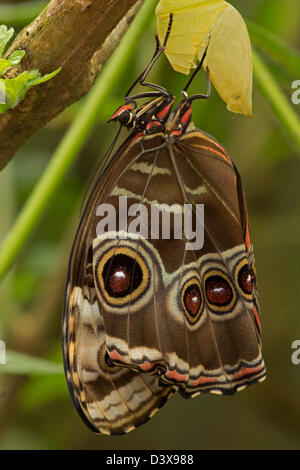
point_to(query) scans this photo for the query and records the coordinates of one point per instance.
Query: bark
(77, 35)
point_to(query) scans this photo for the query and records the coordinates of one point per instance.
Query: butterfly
(146, 316)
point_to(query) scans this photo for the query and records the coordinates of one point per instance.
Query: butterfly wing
(110, 399)
(191, 316)
(227, 334)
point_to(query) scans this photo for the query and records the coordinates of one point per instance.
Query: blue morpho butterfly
(144, 316)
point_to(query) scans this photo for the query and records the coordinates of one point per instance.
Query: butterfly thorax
(155, 116)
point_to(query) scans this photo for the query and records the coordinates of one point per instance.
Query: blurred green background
(36, 411)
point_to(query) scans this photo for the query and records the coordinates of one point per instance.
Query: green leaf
(14, 59)
(15, 89)
(23, 364)
(42, 79)
(5, 36)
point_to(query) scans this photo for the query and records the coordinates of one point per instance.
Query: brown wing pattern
(216, 348)
(109, 399)
(145, 316)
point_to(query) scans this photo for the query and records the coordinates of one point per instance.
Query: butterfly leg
(159, 50)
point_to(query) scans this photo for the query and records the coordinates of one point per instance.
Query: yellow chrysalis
(218, 25)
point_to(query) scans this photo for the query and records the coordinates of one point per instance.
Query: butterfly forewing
(110, 399)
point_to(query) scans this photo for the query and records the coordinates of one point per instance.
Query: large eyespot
(122, 276)
(219, 292)
(245, 278)
(192, 300)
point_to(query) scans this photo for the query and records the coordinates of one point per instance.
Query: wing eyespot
(122, 276)
(192, 300)
(219, 292)
(108, 362)
(245, 279)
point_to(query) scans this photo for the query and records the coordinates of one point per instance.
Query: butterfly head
(124, 115)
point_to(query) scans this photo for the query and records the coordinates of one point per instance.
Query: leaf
(5, 36)
(23, 364)
(14, 59)
(219, 27)
(42, 79)
(14, 90)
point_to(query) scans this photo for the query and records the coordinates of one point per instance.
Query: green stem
(275, 47)
(20, 14)
(22, 364)
(282, 108)
(72, 142)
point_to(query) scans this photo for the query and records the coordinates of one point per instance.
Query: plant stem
(282, 108)
(275, 47)
(72, 142)
(20, 14)
(23, 364)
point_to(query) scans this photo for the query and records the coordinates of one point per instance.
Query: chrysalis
(219, 27)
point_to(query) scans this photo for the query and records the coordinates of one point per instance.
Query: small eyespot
(106, 366)
(219, 292)
(246, 280)
(108, 361)
(192, 300)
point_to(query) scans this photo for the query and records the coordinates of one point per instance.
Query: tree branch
(77, 35)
